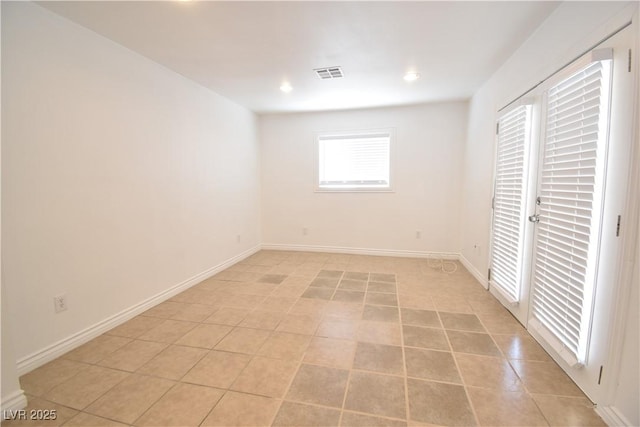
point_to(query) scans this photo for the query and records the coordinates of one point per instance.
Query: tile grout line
(455, 361)
(346, 388)
(404, 362)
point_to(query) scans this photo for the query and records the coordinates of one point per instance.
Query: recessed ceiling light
(286, 87)
(411, 77)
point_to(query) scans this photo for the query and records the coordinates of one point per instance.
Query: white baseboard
(474, 271)
(47, 354)
(361, 251)
(13, 402)
(612, 416)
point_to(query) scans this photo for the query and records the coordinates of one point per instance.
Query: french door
(560, 186)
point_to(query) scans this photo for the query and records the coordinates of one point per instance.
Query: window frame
(347, 133)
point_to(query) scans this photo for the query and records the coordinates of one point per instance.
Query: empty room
(386, 213)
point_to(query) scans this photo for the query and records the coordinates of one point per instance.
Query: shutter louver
(509, 202)
(354, 161)
(570, 190)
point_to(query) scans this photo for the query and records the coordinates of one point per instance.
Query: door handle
(534, 218)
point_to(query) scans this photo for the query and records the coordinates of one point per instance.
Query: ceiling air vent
(329, 73)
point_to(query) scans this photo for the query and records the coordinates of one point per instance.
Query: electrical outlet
(60, 303)
(305, 231)
(238, 238)
(418, 234)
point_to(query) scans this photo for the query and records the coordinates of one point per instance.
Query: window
(354, 161)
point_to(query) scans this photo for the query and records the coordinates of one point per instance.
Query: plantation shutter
(356, 161)
(570, 191)
(509, 201)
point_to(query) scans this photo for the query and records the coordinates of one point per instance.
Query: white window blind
(571, 190)
(354, 161)
(514, 130)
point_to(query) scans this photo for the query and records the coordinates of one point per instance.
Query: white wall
(11, 396)
(120, 178)
(570, 30)
(426, 173)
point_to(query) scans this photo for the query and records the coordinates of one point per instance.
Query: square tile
(266, 377)
(417, 302)
(415, 336)
(204, 336)
(379, 332)
(97, 349)
(131, 398)
(428, 318)
(282, 345)
(169, 331)
(380, 313)
(382, 277)
(217, 369)
(258, 288)
(451, 304)
(381, 299)
(240, 409)
(352, 285)
(324, 282)
(275, 279)
(502, 324)
(568, 411)
(340, 328)
(379, 357)
(431, 365)
(133, 355)
(227, 316)
(348, 296)
(343, 310)
(352, 419)
(355, 275)
(389, 288)
(335, 274)
(497, 407)
(277, 304)
(472, 342)
(173, 362)
(487, 372)
(135, 327)
(262, 320)
(242, 301)
(42, 379)
(545, 378)
(309, 307)
(336, 353)
(298, 324)
(243, 340)
(461, 321)
(521, 347)
(376, 394)
(184, 405)
(88, 385)
(319, 385)
(439, 403)
(85, 420)
(298, 414)
(289, 291)
(318, 293)
(194, 312)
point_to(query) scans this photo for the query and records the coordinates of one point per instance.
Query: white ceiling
(245, 50)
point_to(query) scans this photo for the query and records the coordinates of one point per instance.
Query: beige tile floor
(297, 339)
